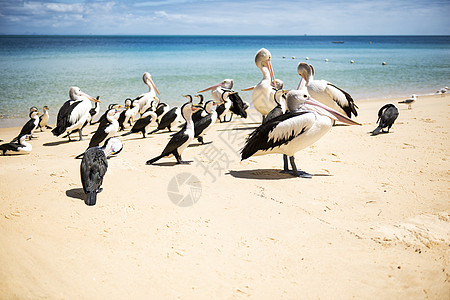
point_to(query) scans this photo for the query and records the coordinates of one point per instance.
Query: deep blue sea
(38, 70)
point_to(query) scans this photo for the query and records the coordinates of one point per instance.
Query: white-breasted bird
(306, 122)
(74, 113)
(180, 140)
(326, 92)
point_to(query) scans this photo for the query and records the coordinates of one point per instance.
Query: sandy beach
(372, 223)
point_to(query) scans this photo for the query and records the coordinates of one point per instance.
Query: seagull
(326, 92)
(306, 122)
(409, 101)
(74, 113)
(442, 91)
(386, 116)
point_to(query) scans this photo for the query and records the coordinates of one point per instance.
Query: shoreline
(18, 122)
(373, 220)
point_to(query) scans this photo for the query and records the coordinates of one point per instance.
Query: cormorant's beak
(248, 89)
(211, 87)
(153, 85)
(331, 113)
(196, 108)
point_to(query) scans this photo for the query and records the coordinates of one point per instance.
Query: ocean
(38, 70)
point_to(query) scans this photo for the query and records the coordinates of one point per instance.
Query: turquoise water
(38, 70)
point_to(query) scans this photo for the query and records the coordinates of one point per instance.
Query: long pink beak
(331, 112)
(248, 89)
(90, 97)
(210, 88)
(153, 85)
(269, 64)
(302, 83)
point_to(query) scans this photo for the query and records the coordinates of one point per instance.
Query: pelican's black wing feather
(258, 139)
(351, 108)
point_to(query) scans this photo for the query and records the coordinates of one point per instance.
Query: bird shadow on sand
(50, 144)
(199, 144)
(76, 193)
(171, 163)
(265, 174)
(238, 128)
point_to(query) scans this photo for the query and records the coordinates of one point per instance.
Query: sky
(226, 17)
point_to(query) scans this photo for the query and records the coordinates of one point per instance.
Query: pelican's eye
(305, 96)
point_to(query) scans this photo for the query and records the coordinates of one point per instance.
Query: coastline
(373, 220)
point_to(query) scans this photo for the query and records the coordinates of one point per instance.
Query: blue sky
(227, 17)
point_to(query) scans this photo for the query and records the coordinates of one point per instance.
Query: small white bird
(442, 91)
(409, 101)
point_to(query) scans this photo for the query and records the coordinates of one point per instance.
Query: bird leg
(179, 160)
(80, 133)
(200, 139)
(285, 164)
(298, 173)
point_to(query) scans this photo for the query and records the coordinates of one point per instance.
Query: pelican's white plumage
(74, 113)
(307, 122)
(146, 98)
(326, 92)
(262, 97)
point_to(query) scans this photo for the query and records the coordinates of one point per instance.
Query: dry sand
(373, 223)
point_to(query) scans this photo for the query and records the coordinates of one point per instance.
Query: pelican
(409, 101)
(262, 97)
(306, 122)
(74, 113)
(326, 92)
(146, 98)
(386, 116)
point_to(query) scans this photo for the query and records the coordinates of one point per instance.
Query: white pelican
(409, 101)
(146, 98)
(326, 92)
(74, 113)
(262, 97)
(305, 123)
